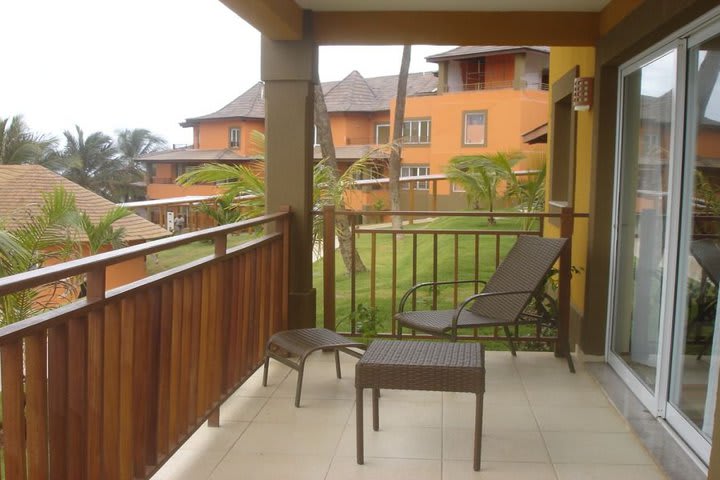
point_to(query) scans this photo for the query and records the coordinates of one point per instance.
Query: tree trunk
(324, 136)
(395, 154)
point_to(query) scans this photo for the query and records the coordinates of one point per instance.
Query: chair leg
(265, 370)
(510, 341)
(399, 331)
(337, 363)
(298, 389)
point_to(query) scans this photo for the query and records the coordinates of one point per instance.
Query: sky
(112, 64)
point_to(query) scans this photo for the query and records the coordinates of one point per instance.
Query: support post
(289, 70)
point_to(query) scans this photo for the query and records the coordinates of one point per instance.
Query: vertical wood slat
(152, 376)
(261, 296)
(141, 365)
(164, 360)
(202, 402)
(13, 402)
(247, 296)
(373, 269)
(195, 348)
(184, 392)
(329, 267)
(126, 411)
(94, 437)
(76, 354)
(111, 392)
(94, 394)
(61, 408)
(175, 363)
(276, 268)
(36, 406)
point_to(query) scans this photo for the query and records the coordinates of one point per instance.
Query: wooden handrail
(110, 386)
(34, 278)
(455, 213)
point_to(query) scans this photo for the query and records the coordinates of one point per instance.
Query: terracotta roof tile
(193, 155)
(477, 51)
(22, 187)
(354, 93)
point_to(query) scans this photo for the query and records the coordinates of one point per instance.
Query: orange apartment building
(480, 100)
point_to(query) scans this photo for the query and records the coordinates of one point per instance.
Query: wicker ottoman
(301, 343)
(412, 365)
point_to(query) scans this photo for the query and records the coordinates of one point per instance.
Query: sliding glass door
(663, 339)
(696, 341)
(642, 216)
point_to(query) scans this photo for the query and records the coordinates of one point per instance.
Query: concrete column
(289, 70)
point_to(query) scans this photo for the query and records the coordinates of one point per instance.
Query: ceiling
(455, 5)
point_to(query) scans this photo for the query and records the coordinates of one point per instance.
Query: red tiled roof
(21, 194)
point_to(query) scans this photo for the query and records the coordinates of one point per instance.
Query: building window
(382, 133)
(457, 188)
(234, 137)
(182, 168)
(416, 131)
(475, 129)
(316, 142)
(415, 171)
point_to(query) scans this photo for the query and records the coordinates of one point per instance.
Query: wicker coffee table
(412, 365)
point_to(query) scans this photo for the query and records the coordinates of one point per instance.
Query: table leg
(376, 410)
(359, 424)
(478, 430)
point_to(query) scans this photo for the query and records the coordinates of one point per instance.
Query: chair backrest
(523, 269)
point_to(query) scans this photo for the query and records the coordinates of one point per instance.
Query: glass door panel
(696, 346)
(645, 153)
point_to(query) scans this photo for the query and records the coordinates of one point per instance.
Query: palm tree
(132, 144)
(529, 194)
(19, 145)
(248, 183)
(90, 162)
(51, 235)
(481, 175)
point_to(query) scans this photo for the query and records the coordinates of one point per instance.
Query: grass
(174, 257)
(445, 267)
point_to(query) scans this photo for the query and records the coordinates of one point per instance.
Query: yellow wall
(510, 113)
(562, 59)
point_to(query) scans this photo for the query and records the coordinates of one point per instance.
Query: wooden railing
(108, 387)
(500, 240)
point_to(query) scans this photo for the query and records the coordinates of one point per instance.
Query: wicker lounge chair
(503, 301)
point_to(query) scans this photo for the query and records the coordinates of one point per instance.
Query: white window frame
(415, 171)
(423, 129)
(377, 132)
(234, 137)
(466, 115)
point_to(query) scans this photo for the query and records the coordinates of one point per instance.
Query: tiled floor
(540, 422)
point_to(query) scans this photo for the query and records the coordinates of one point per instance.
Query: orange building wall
(510, 113)
(215, 134)
(157, 191)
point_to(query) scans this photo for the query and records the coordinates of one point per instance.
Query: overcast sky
(112, 64)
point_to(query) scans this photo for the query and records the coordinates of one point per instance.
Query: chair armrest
(472, 298)
(401, 307)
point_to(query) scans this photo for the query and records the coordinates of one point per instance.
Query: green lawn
(167, 259)
(445, 266)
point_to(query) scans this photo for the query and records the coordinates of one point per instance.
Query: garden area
(462, 256)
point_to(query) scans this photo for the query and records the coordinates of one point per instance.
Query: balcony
(540, 422)
(119, 384)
